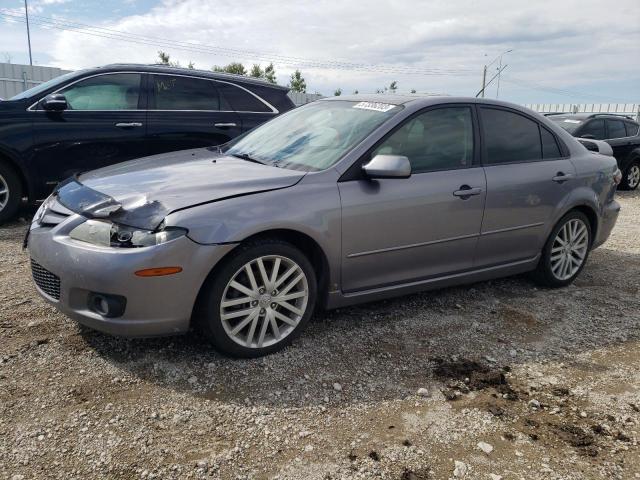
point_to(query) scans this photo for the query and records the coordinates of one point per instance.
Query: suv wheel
(566, 251)
(631, 178)
(259, 300)
(10, 192)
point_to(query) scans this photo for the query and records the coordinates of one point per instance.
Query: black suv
(92, 118)
(621, 132)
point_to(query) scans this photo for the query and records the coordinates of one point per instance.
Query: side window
(616, 129)
(119, 91)
(632, 129)
(236, 99)
(439, 139)
(172, 92)
(510, 137)
(595, 128)
(550, 147)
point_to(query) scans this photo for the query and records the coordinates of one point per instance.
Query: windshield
(569, 124)
(313, 137)
(44, 86)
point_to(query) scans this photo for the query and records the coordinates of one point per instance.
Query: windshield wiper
(246, 157)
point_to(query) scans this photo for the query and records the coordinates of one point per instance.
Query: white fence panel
(15, 78)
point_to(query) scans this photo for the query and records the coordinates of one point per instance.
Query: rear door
(188, 112)
(620, 141)
(252, 109)
(105, 123)
(527, 180)
(401, 230)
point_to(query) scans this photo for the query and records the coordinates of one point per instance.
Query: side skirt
(339, 299)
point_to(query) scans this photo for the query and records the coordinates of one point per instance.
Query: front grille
(45, 280)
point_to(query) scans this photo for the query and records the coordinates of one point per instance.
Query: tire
(11, 196)
(631, 177)
(218, 323)
(547, 272)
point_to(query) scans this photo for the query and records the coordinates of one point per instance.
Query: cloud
(573, 45)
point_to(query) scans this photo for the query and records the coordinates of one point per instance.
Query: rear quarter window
(632, 129)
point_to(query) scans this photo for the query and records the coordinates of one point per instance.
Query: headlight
(107, 234)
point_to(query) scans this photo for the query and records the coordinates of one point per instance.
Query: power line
(85, 29)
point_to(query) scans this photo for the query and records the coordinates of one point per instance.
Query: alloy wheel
(264, 301)
(569, 249)
(4, 193)
(633, 177)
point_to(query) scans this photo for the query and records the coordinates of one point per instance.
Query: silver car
(345, 200)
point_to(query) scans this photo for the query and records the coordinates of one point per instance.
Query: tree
(163, 57)
(256, 71)
(297, 83)
(393, 86)
(337, 92)
(235, 68)
(355, 92)
(413, 90)
(270, 73)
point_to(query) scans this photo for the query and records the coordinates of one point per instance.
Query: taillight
(617, 176)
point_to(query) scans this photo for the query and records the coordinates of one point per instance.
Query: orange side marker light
(158, 272)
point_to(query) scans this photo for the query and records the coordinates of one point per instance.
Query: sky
(570, 51)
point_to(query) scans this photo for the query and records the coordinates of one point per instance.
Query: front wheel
(566, 251)
(259, 300)
(631, 178)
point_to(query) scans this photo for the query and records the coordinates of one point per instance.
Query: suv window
(616, 129)
(550, 147)
(632, 129)
(120, 91)
(439, 139)
(173, 92)
(510, 137)
(239, 100)
(595, 128)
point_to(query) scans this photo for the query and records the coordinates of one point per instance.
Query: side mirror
(56, 102)
(388, 166)
(588, 136)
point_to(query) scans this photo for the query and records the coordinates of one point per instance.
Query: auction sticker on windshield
(377, 106)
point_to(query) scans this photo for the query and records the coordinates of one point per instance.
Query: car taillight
(617, 176)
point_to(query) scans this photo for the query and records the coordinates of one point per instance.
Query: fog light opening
(105, 305)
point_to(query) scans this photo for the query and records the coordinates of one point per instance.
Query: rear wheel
(566, 251)
(10, 192)
(631, 177)
(259, 300)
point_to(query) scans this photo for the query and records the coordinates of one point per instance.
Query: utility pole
(484, 80)
(26, 13)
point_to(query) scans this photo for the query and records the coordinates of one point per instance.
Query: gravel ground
(495, 380)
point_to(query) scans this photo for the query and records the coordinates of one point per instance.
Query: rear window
(616, 129)
(174, 92)
(238, 99)
(632, 129)
(510, 137)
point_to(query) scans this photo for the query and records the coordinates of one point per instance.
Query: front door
(104, 123)
(527, 181)
(188, 112)
(401, 230)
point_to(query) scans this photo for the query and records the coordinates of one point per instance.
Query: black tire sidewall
(208, 314)
(544, 267)
(15, 192)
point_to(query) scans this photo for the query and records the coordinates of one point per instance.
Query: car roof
(160, 68)
(585, 116)
(421, 100)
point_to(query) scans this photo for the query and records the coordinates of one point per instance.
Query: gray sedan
(342, 201)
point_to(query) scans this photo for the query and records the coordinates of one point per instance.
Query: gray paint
(381, 237)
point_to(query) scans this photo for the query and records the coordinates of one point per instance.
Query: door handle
(562, 177)
(466, 191)
(128, 124)
(224, 125)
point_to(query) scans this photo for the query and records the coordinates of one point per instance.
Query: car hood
(140, 193)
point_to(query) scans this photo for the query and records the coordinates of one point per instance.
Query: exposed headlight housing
(107, 234)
